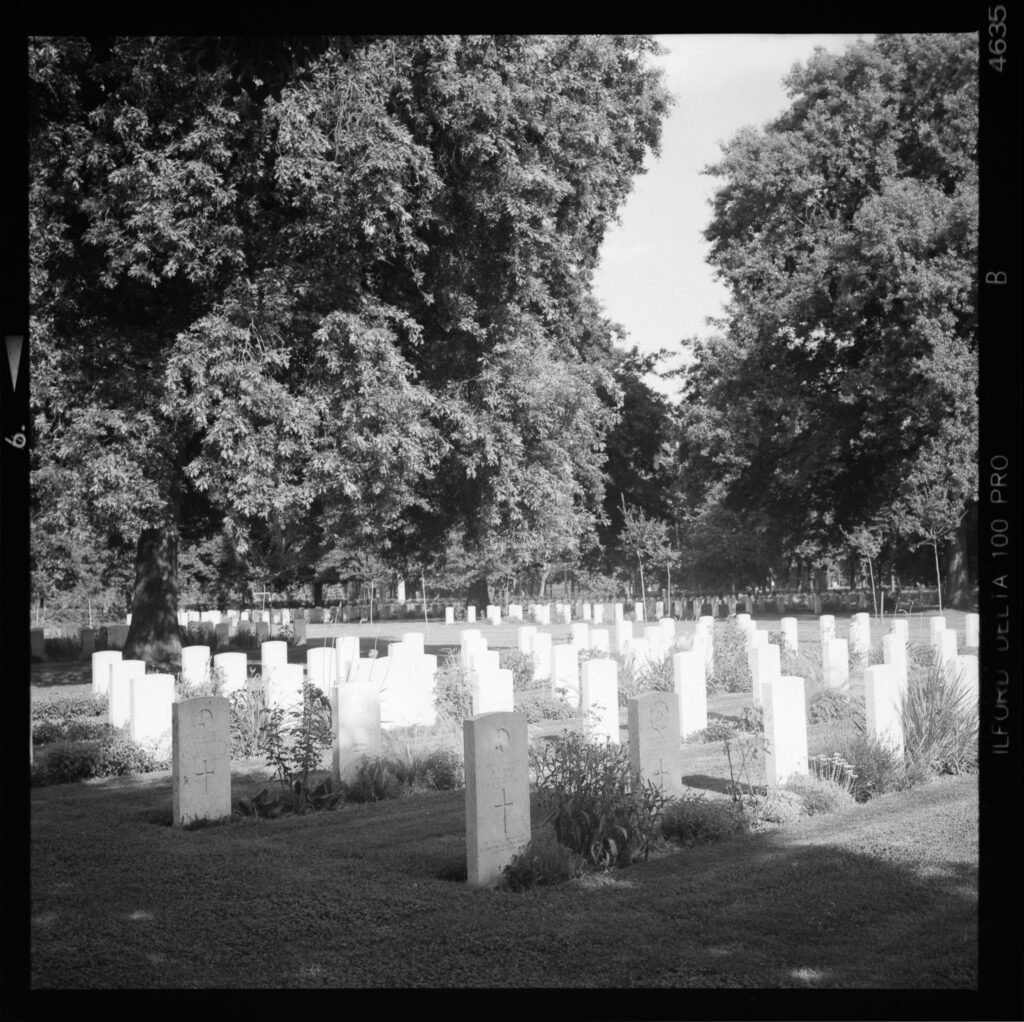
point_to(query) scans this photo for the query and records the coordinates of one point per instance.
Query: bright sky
(653, 279)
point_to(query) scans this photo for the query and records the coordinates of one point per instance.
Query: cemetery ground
(880, 895)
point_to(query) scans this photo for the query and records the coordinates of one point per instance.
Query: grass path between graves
(883, 895)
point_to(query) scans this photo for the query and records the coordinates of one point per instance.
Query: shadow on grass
(707, 783)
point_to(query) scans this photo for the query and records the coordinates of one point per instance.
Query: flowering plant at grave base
(586, 793)
(296, 741)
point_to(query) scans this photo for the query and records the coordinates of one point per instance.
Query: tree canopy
(325, 294)
(846, 230)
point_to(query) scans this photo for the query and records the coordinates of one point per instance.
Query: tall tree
(330, 293)
(846, 230)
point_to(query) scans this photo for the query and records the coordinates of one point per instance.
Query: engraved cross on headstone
(205, 774)
(503, 806)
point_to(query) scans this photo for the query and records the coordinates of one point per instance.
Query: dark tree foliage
(846, 230)
(325, 296)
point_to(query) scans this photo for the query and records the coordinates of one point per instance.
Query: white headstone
(483, 677)
(565, 672)
(566, 614)
(835, 663)
(101, 670)
(597, 615)
(525, 635)
(497, 793)
(346, 653)
(282, 686)
(541, 650)
(945, 648)
(789, 632)
(936, 626)
(659, 609)
(654, 751)
(415, 640)
(618, 611)
(894, 654)
(407, 686)
(882, 694)
(656, 651)
(580, 635)
(515, 612)
(471, 615)
(599, 698)
(785, 729)
(273, 657)
(234, 671)
(201, 759)
(449, 615)
(355, 716)
(901, 627)
(638, 611)
(826, 628)
(195, 665)
(321, 668)
(622, 636)
(119, 696)
(599, 641)
(150, 697)
(494, 614)
(691, 691)
(586, 612)
(860, 636)
(972, 631)
(765, 665)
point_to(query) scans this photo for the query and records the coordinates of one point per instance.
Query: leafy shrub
(878, 767)
(586, 792)
(732, 672)
(920, 655)
(695, 820)
(62, 648)
(751, 719)
(297, 738)
(940, 722)
(522, 666)
(443, 770)
(79, 760)
(539, 704)
(820, 794)
(64, 709)
(542, 862)
(828, 705)
(453, 698)
(76, 730)
(776, 805)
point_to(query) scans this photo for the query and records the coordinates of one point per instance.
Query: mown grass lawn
(884, 895)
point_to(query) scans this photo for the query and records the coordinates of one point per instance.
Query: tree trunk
(318, 594)
(154, 635)
(543, 583)
(958, 575)
(938, 573)
(478, 595)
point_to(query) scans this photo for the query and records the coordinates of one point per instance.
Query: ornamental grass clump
(587, 793)
(939, 715)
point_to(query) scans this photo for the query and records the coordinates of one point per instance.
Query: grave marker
(201, 759)
(195, 663)
(234, 668)
(785, 729)
(835, 663)
(355, 717)
(565, 672)
(150, 697)
(789, 633)
(765, 665)
(654, 751)
(497, 793)
(691, 691)
(882, 694)
(119, 696)
(599, 698)
(972, 631)
(101, 662)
